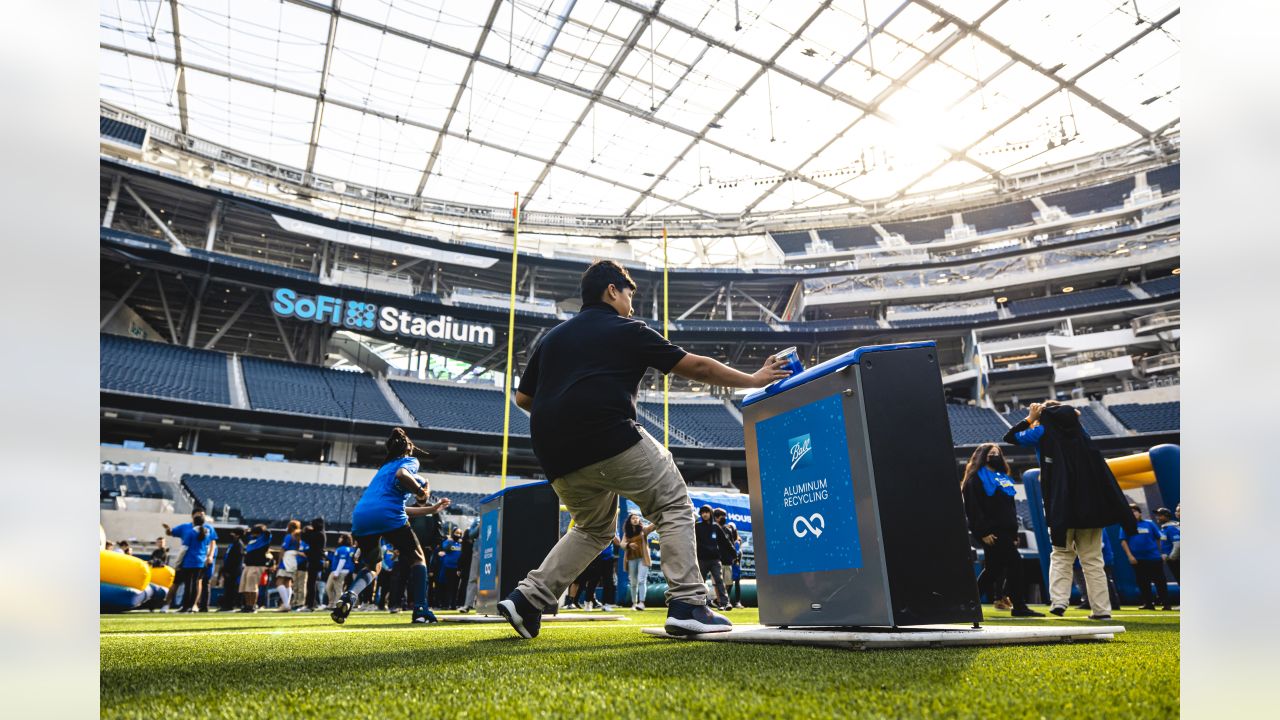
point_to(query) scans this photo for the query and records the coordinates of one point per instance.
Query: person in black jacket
(1081, 497)
(993, 521)
(313, 536)
(728, 555)
(232, 569)
(709, 537)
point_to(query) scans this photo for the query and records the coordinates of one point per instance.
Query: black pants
(1002, 568)
(314, 581)
(713, 566)
(1151, 572)
(600, 574)
(447, 598)
(231, 597)
(189, 580)
(1175, 570)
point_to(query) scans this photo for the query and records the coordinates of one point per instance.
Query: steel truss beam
(457, 98)
(401, 119)
(552, 83)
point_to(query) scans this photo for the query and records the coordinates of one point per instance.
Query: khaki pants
(646, 474)
(1086, 544)
(299, 588)
(333, 586)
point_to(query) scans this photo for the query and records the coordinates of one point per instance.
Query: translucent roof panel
(704, 107)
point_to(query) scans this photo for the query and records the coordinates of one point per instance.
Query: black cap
(704, 508)
(1164, 511)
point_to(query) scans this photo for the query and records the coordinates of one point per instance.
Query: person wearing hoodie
(989, 504)
(1081, 497)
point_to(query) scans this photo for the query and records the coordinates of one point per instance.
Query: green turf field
(378, 666)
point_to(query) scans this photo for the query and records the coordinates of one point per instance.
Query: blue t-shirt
(1031, 438)
(1172, 533)
(197, 553)
(293, 542)
(381, 507)
(388, 557)
(342, 559)
(452, 552)
(1145, 543)
(1108, 555)
(607, 552)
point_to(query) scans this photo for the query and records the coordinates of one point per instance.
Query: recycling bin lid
(504, 490)
(834, 364)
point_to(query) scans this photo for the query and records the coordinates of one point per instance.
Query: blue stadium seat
(1167, 178)
(1160, 287)
(309, 390)
(1089, 420)
(725, 325)
(945, 320)
(1149, 417)
(851, 237)
(1070, 301)
(458, 407)
(852, 323)
(275, 502)
(791, 243)
(710, 425)
(1000, 217)
(1092, 199)
(972, 425)
(162, 370)
(922, 231)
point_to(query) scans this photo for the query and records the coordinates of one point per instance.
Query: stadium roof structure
(732, 113)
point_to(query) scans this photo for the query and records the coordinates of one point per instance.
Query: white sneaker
(606, 607)
(639, 606)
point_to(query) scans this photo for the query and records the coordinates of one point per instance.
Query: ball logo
(815, 523)
(801, 450)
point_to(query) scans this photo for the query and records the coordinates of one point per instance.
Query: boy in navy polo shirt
(1143, 550)
(1169, 549)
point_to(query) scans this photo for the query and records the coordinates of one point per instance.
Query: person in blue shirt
(1143, 550)
(1171, 547)
(391, 592)
(341, 563)
(450, 553)
(381, 513)
(291, 565)
(1081, 496)
(201, 544)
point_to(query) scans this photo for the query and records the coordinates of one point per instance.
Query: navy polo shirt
(583, 378)
(1145, 543)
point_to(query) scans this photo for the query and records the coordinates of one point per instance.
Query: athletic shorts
(402, 539)
(288, 564)
(249, 578)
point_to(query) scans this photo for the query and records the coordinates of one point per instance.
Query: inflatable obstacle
(162, 576)
(125, 582)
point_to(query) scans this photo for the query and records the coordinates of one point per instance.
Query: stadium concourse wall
(171, 466)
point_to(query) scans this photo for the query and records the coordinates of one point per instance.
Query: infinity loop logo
(808, 524)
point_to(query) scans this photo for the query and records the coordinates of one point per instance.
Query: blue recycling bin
(518, 527)
(855, 495)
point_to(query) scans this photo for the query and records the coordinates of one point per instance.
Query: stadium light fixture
(1177, 271)
(1002, 299)
(224, 428)
(1068, 289)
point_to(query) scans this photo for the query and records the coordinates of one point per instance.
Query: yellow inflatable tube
(120, 569)
(1130, 464)
(162, 576)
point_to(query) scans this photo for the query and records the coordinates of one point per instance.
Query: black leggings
(189, 580)
(1002, 568)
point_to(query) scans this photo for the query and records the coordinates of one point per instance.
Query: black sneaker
(1100, 617)
(1025, 612)
(688, 619)
(424, 616)
(523, 616)
(342, 608)
(1147, 607)
(1058, 610)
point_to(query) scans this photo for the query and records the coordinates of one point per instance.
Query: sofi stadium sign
(359, 315)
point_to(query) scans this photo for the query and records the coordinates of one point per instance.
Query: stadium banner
(361, 316)
(806, 490)
(365, 241)
(488, 576)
